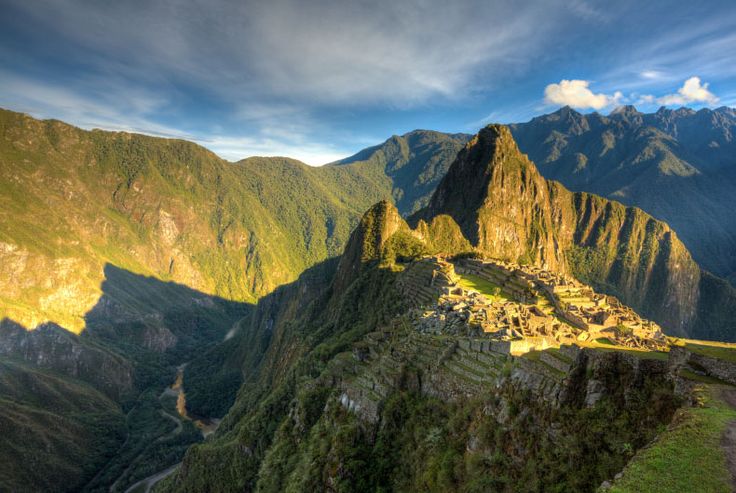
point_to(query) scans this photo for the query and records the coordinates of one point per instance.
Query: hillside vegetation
(677, 165)
(341, 394)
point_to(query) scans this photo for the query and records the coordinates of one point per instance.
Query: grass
(688, 456)
(660, 355)
(696, 377)
(486, 288)
(722, 351)
(606, 345)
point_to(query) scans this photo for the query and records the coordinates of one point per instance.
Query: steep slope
(73, 201)
(677, 165)
(506, 209)
(348, 397)
(129, 255)
(58, 424)
(415, 162)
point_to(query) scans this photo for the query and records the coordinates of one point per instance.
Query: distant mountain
(678, 165)
(415, 162)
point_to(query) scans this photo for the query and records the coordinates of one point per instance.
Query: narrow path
(173, 389)
(145, 485)
(728, 441)
(172, 433)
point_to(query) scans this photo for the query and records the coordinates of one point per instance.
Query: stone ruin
(541, 308)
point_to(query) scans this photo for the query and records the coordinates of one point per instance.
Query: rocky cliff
(677, 165)
(506, 209)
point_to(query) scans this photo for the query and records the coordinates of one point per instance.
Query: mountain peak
(625, 110)
(498, 199)
(465, 186)
(366, 242)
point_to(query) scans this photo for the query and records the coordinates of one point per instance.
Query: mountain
(124, 256)
(415, 162)
(130, 261)
(677, 165)
(369, 373)
(73, 201)
(506, 209)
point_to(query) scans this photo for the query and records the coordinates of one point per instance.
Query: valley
(424, 363)
(367, 247)
(489, 290)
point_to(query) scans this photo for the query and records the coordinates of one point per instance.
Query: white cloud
(692, 91)
(577, 94)
(645, 99)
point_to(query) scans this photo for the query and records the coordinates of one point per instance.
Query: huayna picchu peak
(367, 247)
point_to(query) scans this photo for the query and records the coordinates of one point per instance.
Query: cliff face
(677, 165)
(506, 209)
(368, 240)
(73, 201)
(500, 201)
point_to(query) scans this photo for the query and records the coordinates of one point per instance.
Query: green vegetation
(212, 380)
(664, 163)
(723, 351)
(60, 422)
(155, 440)
(688, 456)
(422, 444)
(483, 286)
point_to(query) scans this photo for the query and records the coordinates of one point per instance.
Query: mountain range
(677, 165)
(123, 257)
(341, 394)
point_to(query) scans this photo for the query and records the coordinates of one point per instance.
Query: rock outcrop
(505, 209)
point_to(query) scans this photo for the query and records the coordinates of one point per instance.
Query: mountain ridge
(677, 165)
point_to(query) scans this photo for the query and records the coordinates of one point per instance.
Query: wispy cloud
(314, 80)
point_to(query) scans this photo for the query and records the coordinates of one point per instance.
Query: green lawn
(486, 288)
(687, 457)
(724, 353)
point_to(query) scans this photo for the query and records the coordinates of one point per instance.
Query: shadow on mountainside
(139, 329)
(135, 336)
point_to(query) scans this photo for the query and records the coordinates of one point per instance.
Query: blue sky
(322, 79)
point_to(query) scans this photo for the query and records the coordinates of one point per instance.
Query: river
(205, 425)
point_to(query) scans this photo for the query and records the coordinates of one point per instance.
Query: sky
(319, 80)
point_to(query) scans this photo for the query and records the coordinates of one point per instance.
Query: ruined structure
(531, 308)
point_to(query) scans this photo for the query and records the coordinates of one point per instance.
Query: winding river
(206, 426)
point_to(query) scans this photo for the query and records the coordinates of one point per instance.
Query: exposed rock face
(506, 209)
(52, 347)
(367, 241)
(499, 200)
(677, 165)
(74, 201)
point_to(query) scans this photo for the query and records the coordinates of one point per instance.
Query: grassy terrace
(486, 288)
(720, 350)
(604, 344)
(688, 456)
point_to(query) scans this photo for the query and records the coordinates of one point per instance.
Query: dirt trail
(728, 441)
